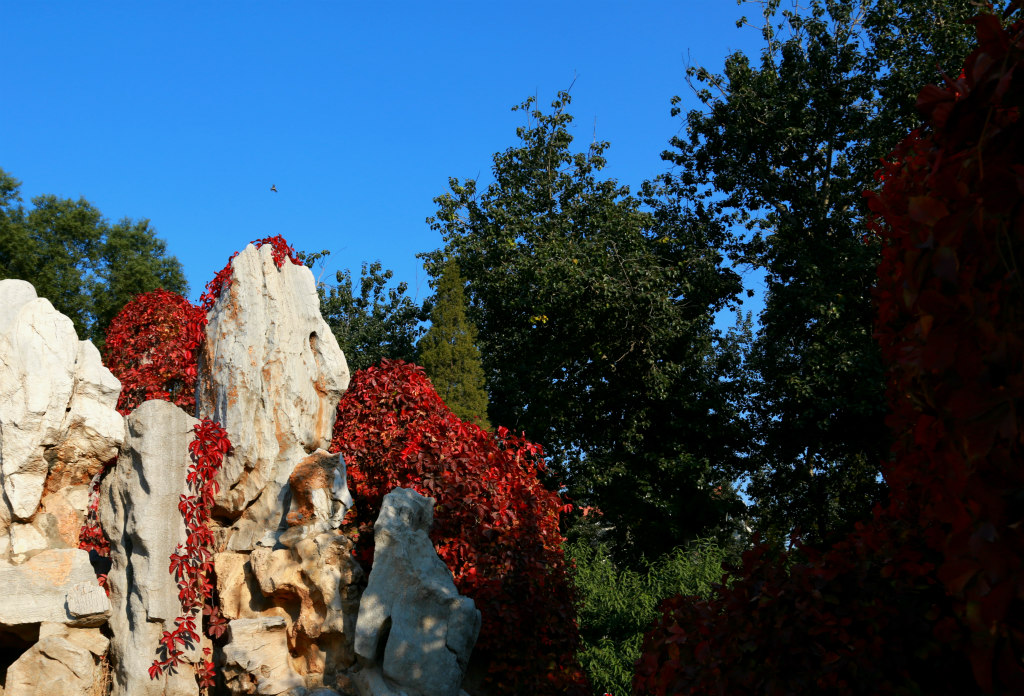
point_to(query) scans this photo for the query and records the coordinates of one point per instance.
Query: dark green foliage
(617, 605)
(595, 322)
(448, 352)
(86, 267)
(788, 147)
(379, 322)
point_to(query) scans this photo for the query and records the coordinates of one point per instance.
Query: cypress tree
(449, 354)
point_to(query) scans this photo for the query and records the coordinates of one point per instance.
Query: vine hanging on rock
(192, 562)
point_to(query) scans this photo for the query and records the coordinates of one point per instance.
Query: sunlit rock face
(139, 512)
(57, 404)
(272, 374)
(58, 427)
(415, 632)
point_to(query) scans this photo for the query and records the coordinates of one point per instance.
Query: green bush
(617, 605)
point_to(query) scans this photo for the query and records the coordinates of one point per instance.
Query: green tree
(786, 149)
(616, 606)
(86, 267)
(595, 323)
(379, 322)
(448, 351)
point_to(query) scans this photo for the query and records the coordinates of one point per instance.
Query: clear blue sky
(186, 113)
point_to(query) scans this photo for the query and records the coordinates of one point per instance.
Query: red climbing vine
(192, 562)
(928, 595)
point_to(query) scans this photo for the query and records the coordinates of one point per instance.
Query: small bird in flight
(273, 188)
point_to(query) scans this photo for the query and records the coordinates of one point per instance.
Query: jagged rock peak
(271, 373)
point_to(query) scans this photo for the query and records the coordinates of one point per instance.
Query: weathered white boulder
(139, 512)
(53, 586)
(414, 629)
(271, 373)
(65, 661)
(56, 400)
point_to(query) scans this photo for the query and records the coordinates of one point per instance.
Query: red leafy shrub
(495, 525)
(951, 328)
(928, 596)
(856, 619)
(151, 347)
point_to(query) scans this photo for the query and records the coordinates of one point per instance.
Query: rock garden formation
(269, 563)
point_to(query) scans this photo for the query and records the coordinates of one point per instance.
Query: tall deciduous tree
(787, 148)
(448, 351)
(595, 323)
(86, 267)
(379, 322)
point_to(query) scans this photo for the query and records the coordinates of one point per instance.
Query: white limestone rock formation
(56, 408)
(271, 373)
(308, 592)
(54, 586)
(139, 512)
(415, 632)
(65, 661)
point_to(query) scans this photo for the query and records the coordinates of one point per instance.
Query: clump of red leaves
(495, 526)
(282, 251)
(951, 328)
(928, 596)
(192, 562)
(151, 347)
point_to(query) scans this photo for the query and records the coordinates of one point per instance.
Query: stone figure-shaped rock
(139, 512)
(57, 412)
(415, 632)
(271, 373)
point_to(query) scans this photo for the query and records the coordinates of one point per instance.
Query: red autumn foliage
(281, 251)
(927, 596)
(495, 525)
(951, 328)
(192, 562)
(151, 347)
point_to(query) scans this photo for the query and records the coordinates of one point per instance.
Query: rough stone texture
(139, 511)
(319, 487)
(312, 588)
(239, 590)
(271, 373)
(38, 590)
(56, 401)
(65, 661)
(66, 507)
(257, 658)
(413, 629)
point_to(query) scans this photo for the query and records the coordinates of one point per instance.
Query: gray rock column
(139, 512)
